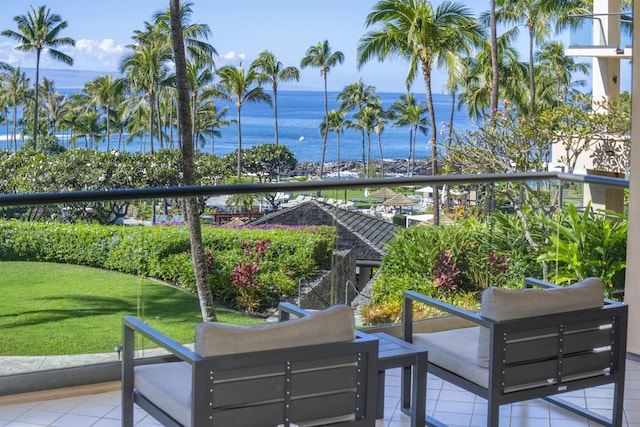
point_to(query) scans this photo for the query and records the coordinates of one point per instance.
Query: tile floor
(445, 402)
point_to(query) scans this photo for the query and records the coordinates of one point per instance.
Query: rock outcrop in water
(391, 168)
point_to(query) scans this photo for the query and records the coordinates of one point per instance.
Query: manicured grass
(51, 309)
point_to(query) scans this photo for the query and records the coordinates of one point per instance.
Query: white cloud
(232, 56)
(104, 55)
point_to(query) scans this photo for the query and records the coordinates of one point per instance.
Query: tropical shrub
(586, 244)
(452, 263)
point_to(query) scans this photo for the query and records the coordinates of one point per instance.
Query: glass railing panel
(140, 264)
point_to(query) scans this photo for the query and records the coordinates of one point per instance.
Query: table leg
(414, 390)
(380, 397)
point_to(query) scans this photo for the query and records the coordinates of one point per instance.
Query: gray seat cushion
(456, 351)
(168, 386)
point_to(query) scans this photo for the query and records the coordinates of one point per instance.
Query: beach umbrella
(384, 192)
(427, 189)
(400, 200)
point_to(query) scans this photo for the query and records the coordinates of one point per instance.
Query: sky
(241, 29)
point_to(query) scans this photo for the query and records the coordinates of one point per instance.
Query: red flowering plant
(244, 275)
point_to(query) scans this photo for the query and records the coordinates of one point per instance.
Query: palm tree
(560, 68)
(210, 120)
(379, 123)
(357, 95)
(365, 120)
(239, 86)
(146, 66)
(38, 31)
(198, 256)
(199, 75)
(414, 30)
(195, 34)
(537, 17)
(15, 89)
(107, 91)
(335, 123)
(321, 56)
(271, 70)
(55, 104)
(478, 79)
(407, 112)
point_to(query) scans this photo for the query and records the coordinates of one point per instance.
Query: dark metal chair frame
(504, 358)
(203, 410)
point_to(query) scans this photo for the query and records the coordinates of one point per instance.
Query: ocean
(300, 114)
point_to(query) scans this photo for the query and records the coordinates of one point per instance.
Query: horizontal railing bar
(31, 199)
(595, 179)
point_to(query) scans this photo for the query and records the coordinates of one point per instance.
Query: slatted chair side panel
(539, 357)
(289, 391)
(323, 392)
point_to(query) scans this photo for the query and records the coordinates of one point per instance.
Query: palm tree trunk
(338, 152)
(108, 107)
(434, 140)
(532, 80)
(194, 109)
(275, 115)
(381, 158)
(453, 108)
(198, 255)
(409, 168)
(239, 145)
(36, 103)
(326, 125)
(159, 121)
(152, 103)
(495, 77)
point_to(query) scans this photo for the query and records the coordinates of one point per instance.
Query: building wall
(632, 285)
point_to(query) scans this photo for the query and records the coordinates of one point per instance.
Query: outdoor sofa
(530, 343)
(309, 371)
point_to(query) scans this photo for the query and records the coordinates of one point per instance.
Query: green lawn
(50, 309)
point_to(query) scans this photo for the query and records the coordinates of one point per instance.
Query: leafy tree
(581, 126)
(271, 70)
(415, 31)
(265, 160)
(39, 30)
(323, 57)
(240, 86)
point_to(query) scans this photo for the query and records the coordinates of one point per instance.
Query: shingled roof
(366, 234)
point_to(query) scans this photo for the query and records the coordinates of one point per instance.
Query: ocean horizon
(300, 113)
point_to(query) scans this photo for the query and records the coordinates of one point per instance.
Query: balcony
(82, 390)
(590, 39)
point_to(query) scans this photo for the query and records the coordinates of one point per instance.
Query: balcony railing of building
(590, 30)
(22, 373)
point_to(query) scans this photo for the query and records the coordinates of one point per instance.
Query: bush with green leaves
(454, 263)
(587, 244)
(162, 252)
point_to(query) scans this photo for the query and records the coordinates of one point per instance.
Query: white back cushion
(334, 324)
